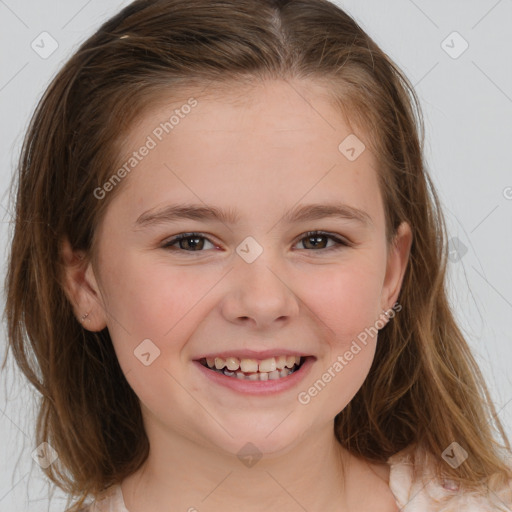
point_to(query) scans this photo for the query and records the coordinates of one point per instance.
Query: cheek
(154, 300)
(345, 299)
(349, 374)
(348, 301)
(146, 297)
(338, 378)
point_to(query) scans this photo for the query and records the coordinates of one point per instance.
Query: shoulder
(413, 482)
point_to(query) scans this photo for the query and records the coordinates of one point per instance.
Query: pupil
(196, 241)
(316, 240)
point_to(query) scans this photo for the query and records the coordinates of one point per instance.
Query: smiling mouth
(273, 368)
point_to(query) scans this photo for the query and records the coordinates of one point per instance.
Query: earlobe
(398, 258)
(81, 288)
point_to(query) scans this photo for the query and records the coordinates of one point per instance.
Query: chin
(268, 438)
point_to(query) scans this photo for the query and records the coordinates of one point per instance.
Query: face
(251, 290)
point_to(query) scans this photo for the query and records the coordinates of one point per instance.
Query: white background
(467, 102)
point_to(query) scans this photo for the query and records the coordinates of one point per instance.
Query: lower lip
(265, 387)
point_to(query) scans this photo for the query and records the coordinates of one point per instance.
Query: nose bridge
(259, 289)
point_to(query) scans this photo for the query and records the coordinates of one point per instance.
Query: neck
(180, 474)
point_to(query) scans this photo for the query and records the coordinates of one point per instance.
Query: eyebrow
(300, 213)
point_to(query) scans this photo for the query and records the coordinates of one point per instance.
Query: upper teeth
(253, 365)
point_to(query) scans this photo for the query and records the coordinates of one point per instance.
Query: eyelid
(340, 241)
(167, 244)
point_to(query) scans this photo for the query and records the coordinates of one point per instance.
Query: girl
(227, 274)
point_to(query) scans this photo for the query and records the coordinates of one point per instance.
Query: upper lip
(253, 354)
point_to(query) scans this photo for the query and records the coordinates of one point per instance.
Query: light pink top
(423, 494)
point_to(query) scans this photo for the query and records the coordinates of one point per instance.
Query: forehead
(263, 145)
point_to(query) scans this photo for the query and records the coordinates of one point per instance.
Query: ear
(398, 257)
(81, 288)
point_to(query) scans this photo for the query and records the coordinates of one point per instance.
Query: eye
(315, 241)
(195, 242)
(190, 242)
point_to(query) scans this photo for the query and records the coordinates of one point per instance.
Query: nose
(259, 294)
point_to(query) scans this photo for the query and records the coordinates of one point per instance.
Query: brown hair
(424, 385)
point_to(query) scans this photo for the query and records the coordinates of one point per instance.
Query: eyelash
(340, 243)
